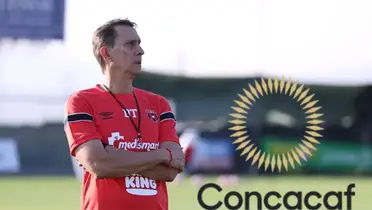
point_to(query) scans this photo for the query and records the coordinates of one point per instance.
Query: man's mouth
(138, 62)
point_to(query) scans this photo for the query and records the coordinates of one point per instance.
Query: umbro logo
(106, 115)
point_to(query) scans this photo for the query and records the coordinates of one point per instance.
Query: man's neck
(119, 84)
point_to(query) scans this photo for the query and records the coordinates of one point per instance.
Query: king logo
(139, 185)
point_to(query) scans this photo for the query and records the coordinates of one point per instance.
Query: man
(124, 137)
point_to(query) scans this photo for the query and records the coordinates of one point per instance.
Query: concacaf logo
(313, 123)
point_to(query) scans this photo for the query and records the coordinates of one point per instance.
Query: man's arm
(168, 139)
(110, 162)
(162, 171)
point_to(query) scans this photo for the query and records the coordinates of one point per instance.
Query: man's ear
(104, 52)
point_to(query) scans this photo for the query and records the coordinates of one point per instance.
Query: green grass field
(61, 193)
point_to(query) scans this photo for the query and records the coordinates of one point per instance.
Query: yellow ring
(313, 120)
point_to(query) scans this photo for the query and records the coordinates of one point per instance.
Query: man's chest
(133, 129)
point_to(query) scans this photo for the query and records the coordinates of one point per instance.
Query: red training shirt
(95, 114)
(188, 154)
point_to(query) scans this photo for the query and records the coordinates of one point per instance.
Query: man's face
(126, 54)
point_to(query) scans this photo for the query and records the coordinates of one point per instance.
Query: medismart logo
(286, 88)
(273, 200)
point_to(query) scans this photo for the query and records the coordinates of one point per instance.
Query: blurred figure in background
(188, 141)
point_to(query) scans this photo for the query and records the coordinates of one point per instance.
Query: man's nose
(140, 51)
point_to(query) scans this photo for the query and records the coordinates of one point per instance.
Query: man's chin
(135, 71)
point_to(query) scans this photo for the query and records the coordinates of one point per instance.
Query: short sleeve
(78, 124)
(167, 120)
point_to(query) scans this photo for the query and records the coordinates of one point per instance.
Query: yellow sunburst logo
(313, 123)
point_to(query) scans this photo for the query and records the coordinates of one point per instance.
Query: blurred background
(198, 54)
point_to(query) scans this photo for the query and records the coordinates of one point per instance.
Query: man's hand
(168, 170)
(178, 157)
(178, 164)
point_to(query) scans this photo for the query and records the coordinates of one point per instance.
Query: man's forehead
(126, 33)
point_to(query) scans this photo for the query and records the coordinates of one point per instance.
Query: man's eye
(131, 44)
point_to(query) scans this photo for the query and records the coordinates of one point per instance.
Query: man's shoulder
(84, 94)
(149, 94)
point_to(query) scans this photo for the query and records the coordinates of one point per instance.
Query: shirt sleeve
(78, 124)
(167, 122)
